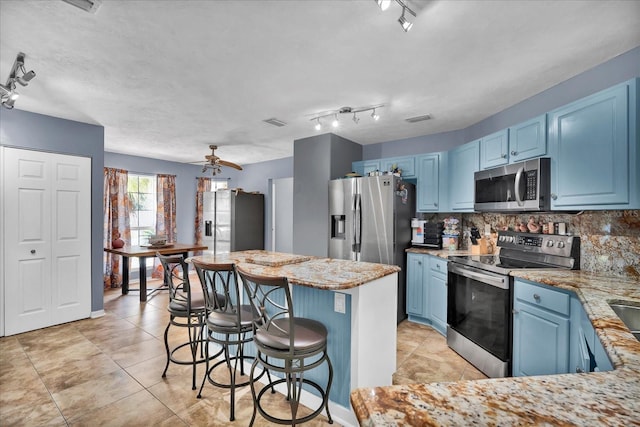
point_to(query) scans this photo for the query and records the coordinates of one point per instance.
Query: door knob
(33, 251)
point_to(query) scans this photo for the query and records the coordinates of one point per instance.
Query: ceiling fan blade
(229, 164)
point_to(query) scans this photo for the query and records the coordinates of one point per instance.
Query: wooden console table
(144, 252)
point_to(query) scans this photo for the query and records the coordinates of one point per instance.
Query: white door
(47, 239)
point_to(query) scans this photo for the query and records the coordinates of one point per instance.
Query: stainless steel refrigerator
(370, 220)
(233, 221)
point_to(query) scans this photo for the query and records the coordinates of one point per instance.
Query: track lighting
(383, 4)
(406, 25)
(18, 74)
(345, 110)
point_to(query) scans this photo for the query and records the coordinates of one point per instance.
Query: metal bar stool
(186, 309)
(228, 324)
(286, 344)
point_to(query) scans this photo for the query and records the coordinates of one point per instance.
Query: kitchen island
(356, 301)
(588, 399)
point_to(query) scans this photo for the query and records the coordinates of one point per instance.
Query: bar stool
(228, 324)
(286, 344)
(186, 309)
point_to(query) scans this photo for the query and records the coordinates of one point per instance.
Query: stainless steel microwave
(523, 186)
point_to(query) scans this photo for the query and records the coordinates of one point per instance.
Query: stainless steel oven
(480, 295)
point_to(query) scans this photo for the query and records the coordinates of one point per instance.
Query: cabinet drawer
(438, 265)
(542, 297)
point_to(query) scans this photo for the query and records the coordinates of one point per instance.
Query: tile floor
(107, 371)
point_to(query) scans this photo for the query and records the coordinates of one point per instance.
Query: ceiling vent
(275, 122)
(90, 6)
(418, 118)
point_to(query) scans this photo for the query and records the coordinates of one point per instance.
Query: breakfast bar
(356, 301)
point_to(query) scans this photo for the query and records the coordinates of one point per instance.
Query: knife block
(483, 247)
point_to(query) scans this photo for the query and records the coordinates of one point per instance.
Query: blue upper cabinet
(593, 145)
(365, 166)
(464, 161)
(428, 183)
(405, 164)
(494, 150)
(518, 143)
(528, 140)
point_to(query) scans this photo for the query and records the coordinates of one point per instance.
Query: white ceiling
(168, 78)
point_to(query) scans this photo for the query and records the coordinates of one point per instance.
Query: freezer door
(223, 222)
(377, 240)
(342, 218)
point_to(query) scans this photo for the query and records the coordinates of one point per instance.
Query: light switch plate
(340, 303)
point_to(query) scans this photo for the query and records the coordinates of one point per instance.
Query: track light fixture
(18, 74)
(406, 25)
(345, 110)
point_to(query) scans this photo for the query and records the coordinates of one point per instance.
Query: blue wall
(617, 70)
(38, 132)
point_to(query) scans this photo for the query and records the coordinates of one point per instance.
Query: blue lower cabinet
(427, 291)
(540, 330)
(587, 352)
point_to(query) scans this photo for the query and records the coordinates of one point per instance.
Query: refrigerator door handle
(357, 221)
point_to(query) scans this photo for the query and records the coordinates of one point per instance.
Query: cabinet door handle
(504, 156)
(33, 251)
(579, 370)
(514, 311)
(435, 204)
(419, 262)
(554, 196)
(514, 153)
(536, 297)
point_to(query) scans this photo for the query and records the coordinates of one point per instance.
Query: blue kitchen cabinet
(587, 352)
(363, 167)
(438, 293)
(593, 145)
(428, 183)
(417, 265)
(464, 161)
(406, 164)
(427, 290)
(521, 142)
(528, 140)
(494, 150)
(540, 329)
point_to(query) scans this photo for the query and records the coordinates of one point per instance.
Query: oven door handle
(494, 280)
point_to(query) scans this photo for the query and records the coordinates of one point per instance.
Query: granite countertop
(320, 273)
(599, 398)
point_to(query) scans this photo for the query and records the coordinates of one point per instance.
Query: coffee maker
(426, 234)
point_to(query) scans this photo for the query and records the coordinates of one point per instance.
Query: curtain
(116, 222)
(165, 214)
(203, 185)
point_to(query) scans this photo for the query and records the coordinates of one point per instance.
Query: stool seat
(309, 335)
(218, 319)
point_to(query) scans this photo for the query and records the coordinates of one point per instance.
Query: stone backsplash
(609, 240)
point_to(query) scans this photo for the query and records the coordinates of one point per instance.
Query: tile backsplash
(609, 240)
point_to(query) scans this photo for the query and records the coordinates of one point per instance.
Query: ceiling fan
(215, 163)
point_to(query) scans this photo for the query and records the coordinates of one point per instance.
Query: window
(219, 184)
(142, 215)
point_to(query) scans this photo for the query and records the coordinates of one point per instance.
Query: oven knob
(549, 243)
(560, 245)
(510, 239)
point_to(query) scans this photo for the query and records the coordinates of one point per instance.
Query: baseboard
(96, 314)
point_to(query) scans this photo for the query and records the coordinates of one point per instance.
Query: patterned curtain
(203, 185)
(116, 222)
(165, 214)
